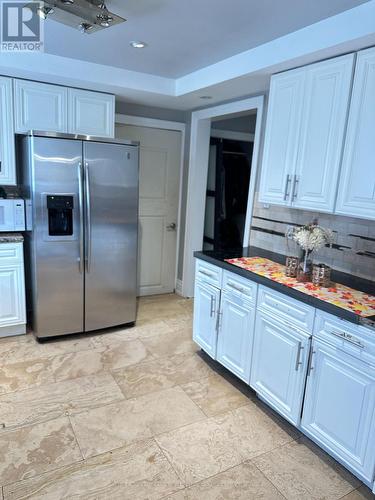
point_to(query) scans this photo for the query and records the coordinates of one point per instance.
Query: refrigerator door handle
(81, 219)
(88, 217)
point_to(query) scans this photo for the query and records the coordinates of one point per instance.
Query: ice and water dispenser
(60, 215)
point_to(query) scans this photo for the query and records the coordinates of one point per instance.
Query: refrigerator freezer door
(111, 187)
(56, 241)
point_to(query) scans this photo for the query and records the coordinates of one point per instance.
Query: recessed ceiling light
(205, 97)
(137, 44)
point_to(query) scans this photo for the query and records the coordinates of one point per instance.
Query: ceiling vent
(87, 16)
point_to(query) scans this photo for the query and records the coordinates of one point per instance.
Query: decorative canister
(291, 267)
(321, 275)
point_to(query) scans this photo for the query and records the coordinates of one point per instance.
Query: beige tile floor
(141, 413)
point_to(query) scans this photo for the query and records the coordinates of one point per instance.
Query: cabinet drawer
(290, 310)
(355, 340)
(11, 254)
(239, 286)
(208, 273)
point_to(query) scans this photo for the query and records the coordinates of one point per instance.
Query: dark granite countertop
(11, 238)
(218, 258)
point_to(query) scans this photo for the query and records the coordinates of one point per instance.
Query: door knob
(171, 227)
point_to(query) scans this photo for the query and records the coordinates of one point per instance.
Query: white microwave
(12, 215)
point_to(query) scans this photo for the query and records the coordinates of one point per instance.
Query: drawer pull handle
(298, 360)
(236, 287)
(349, 338)
(206, 273)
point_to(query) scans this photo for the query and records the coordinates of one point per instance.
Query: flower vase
(305, 269)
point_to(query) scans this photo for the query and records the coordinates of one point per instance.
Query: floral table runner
(342, 296)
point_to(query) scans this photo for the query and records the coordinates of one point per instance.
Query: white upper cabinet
(304, 135)
(356, 195)
(327, 93)
(282, 135)
(7, 155)
(40, 106)
(91, 113)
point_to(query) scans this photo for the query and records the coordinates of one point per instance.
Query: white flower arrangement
(312, 237)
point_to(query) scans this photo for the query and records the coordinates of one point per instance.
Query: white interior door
(159, 180)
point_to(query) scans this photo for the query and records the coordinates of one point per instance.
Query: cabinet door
(339, 409)
(356, 196)
(40, 106)
(12, 292)
(206, 306)
(279, 365)
(7, 157)
(91, 113)
(235, 336)
(282, 137)
(326, 103)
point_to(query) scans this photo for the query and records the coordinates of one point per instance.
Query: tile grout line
(75, 437)
(196, 404)
(268, 479)
(172, 466)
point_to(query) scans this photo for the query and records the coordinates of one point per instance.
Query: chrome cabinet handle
(81, 218)
(206, 273)
(349, 338)
(287, 183)
(310, 368)
(298, 360)
(219, 318)
(295, 187)
(213, 306)
(236, 287)
(88, 217)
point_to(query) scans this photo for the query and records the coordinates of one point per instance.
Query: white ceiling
(222, 46)
(186, 35)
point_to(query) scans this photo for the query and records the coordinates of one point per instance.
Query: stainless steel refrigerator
(82, 229)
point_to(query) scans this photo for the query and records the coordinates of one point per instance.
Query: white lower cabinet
(339, 409)
(280, 357)
(12, 290)
(206, 306)
(235, 337)
(264, 338)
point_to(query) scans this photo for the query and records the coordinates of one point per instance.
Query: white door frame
(140, 121)
(197, 183)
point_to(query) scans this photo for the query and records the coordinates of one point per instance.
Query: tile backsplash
(353, 250)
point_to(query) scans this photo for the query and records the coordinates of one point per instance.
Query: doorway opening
(228, 181)
(204, 126)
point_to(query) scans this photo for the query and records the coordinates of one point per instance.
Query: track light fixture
(86, 15)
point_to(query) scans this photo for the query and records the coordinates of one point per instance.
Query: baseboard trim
(12, 330)
(179, 287)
